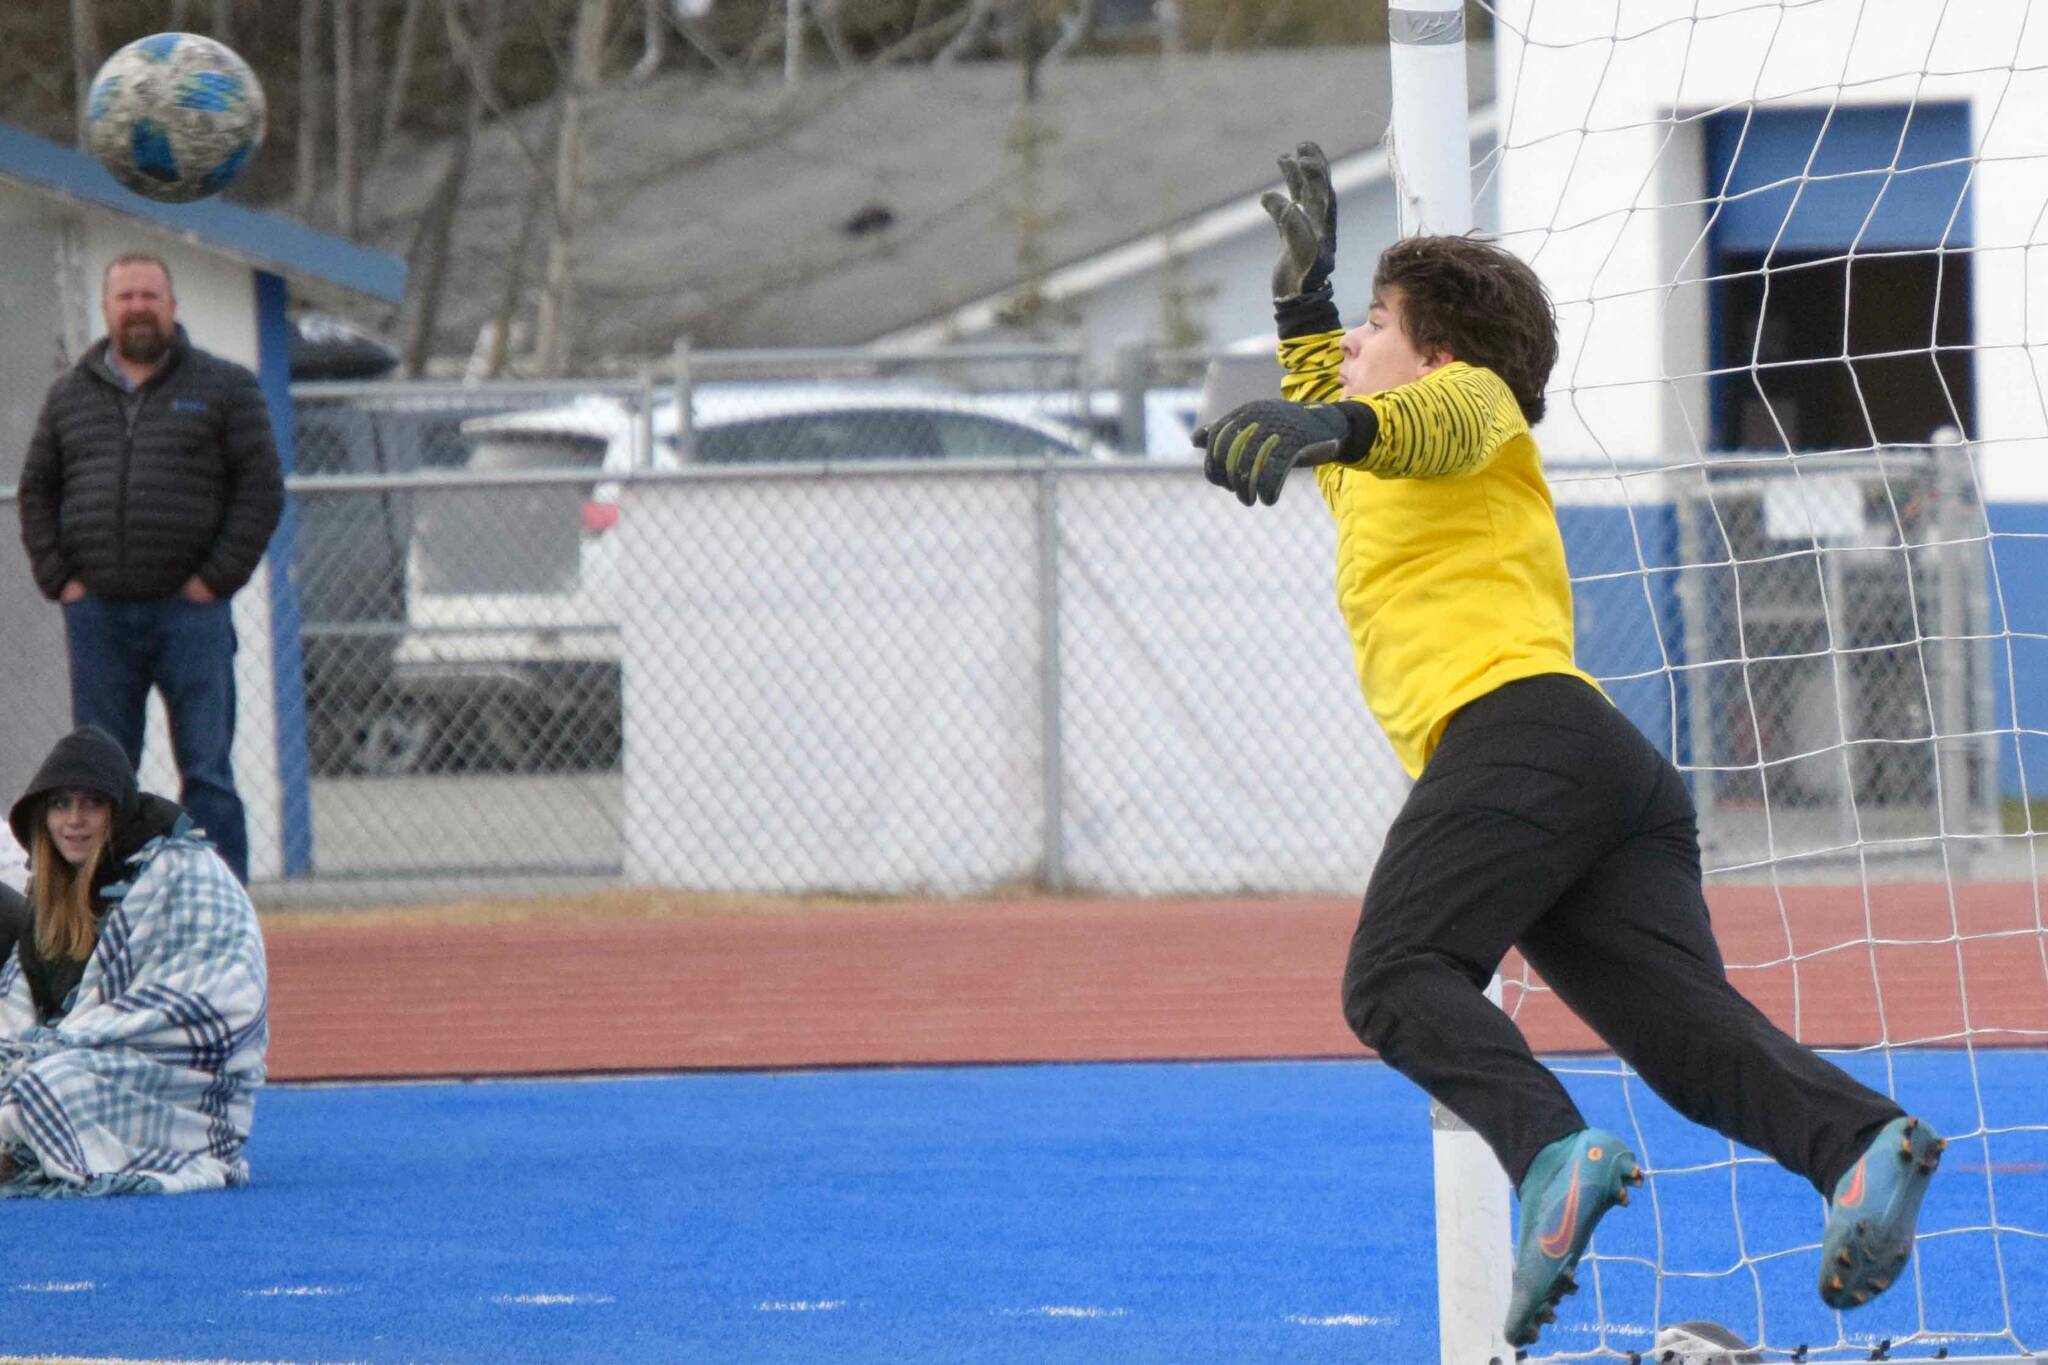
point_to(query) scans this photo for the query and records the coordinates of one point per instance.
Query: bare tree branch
(479, 56)
(85, 58)
(1078, 27)
(515, 270)
(826, 14)
(701, 43)
(972, 29)
(792, 41)
(348, 189)
(369, 70)
(653, 38)
(558, 289)
(401, 71)
(306, 188)
(925, 34)
(498, 354)
(482, 78)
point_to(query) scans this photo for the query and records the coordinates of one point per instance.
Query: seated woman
(133, 997)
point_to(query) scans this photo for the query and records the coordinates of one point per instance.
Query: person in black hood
(81, 819)
(134, 1003)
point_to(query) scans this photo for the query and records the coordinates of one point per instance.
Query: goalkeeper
(1540, 817)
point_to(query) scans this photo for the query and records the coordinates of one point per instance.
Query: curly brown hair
(1477, 303)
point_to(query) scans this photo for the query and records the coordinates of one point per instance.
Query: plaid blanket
(147, 1084)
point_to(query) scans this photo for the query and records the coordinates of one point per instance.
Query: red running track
(421, 993)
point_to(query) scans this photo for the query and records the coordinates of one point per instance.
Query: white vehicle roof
(607, 419)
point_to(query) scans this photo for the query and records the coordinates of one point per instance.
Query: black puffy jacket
(133, 510)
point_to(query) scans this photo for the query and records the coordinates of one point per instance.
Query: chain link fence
(462, 582)
(1838, 644)
(846, 623)
(459, 621)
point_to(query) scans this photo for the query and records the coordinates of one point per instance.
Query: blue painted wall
(1772, 167)
(1630, 632)
(2019, 616)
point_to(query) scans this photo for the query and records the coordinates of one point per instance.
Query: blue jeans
(186, 650)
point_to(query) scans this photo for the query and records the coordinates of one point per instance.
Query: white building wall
(1603, 190)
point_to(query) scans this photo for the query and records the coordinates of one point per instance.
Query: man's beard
(142, 341)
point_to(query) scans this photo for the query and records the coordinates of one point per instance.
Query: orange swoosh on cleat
(1558, 1240)
(1854, 1195)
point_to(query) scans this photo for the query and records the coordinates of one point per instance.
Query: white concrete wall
(1600, 188)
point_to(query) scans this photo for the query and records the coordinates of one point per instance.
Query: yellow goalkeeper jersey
(1450, 569)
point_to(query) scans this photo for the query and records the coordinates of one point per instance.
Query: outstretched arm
(1304, 309)
(1252, 460)
(1451, 421)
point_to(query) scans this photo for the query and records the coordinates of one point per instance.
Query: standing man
(147, 497)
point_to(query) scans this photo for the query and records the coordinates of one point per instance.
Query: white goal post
(1797, 251)
(1429, 154)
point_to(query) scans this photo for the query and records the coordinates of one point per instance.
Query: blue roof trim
(266, 239)
(1860, 200)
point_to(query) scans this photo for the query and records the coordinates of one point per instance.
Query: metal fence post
(686, 432)
(1083, 385)
(643, 421)
(1954, 749)
(1133, 376)
(1053, 794)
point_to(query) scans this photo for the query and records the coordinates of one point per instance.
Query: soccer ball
(174, 116)
(1704, 1343)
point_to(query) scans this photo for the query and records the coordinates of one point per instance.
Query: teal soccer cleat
(1569, 1186)
(1874, 1212)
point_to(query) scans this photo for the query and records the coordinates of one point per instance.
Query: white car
(512, 593)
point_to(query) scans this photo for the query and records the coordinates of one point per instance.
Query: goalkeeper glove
(1307, 218)
(1250, 448)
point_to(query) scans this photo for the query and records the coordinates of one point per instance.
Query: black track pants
(1545, 821)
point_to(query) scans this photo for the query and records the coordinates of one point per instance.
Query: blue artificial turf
(1228, 1212)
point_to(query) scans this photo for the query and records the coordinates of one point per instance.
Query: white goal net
(1799, 439)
